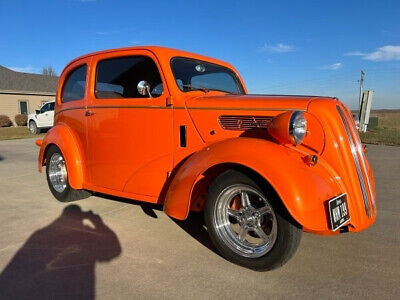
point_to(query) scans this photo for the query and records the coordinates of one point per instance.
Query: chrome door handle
(89, 113)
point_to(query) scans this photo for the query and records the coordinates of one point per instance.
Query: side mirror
(143, 88)
(37, 111)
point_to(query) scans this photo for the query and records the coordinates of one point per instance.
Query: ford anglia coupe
(179, 129)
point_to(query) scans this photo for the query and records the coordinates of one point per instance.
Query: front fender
(64, 139)
(302, 188)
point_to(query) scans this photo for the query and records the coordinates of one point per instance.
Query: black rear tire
(68, 194)
(288, 231)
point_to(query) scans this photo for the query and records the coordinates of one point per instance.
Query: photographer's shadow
(58, 261)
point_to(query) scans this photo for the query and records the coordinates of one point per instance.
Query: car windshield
(192, 75)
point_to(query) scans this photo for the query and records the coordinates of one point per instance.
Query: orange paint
(133, 147)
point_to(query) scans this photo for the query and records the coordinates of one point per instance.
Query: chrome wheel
(57, 172)
(245, 221)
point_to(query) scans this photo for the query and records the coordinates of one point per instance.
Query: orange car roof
(157, 50)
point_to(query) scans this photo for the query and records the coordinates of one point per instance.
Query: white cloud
(335, 66)
(354, 53)
(278, 48)
(27, 69)
(385, 53)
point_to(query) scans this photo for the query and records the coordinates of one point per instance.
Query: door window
(119, 77)
(74, 85)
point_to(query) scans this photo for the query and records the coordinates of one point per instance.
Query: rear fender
(64, 139)
(302, 188)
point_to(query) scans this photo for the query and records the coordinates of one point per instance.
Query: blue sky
(284, 47)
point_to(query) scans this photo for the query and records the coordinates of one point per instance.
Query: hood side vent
(240, 122)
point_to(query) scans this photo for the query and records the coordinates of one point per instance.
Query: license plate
(339, 212)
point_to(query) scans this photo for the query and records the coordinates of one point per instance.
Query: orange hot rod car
(179, 129)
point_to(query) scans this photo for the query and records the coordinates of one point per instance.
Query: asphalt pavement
(111, 248)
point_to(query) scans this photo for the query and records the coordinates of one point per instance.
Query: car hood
(249, 102)
(207, 111)
(31, 116)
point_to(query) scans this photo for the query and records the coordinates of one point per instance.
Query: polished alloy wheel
(245, 221)
(58, 172)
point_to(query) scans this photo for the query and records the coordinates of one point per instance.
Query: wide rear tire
(247, 225)
(57, 177)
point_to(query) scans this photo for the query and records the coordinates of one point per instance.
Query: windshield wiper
(199, 88)
(203, 89)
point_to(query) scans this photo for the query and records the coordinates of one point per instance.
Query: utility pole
(361, 86)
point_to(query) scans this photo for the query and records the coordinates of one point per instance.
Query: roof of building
(27, 82)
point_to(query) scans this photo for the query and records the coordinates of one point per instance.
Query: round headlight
(297, 127)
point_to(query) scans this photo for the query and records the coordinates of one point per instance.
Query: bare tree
(49, 71)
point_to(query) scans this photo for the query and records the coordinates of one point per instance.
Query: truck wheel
(33, 127)
(57, 177)
(247, 227)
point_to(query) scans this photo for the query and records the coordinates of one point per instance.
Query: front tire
(247, 227)
(33, 127)
(57, 177)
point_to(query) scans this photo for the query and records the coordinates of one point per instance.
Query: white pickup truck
(42, 118)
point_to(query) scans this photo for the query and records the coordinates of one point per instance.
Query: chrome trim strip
(179, 107)
(363, 165)
(356, 162)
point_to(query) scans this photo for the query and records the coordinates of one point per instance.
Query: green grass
(388, 130)
(384, 136)
(10, 133)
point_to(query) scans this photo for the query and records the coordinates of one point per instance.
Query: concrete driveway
(138, 252)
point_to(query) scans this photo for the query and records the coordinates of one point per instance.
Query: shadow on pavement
(58, 261)
(1, 158)
(193, 225)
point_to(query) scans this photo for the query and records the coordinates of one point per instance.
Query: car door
(43, 116)
(129, 146)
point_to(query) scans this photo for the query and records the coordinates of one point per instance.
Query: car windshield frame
(237, 81)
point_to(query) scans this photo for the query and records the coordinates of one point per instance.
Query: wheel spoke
(264, 210)
(234, 213)
(260, 232)
(242, 233)
(244, 197)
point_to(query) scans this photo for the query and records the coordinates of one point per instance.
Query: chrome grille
(233, 122)
(357, 158)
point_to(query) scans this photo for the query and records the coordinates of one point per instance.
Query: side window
(45, 108)
(119, 77)
(74, 85)
(51, 106)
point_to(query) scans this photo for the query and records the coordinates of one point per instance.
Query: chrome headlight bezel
(297, 127)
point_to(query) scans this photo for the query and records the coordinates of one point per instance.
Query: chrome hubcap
(32, 127)
(58, 172)
(245, 221)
